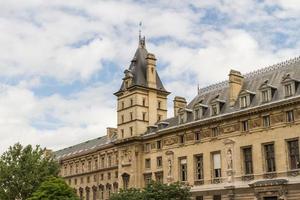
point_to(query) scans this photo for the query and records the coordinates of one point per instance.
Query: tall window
(215, 131)
(122, 118)
(183, 169)
(159, 104)
(216, 165)
(248, 166)
(96, 164)
(122, 105)
(82, 167)
(181, 139)
(131, 130)
(245, 126)
(144, 116)
(122, 133)
(270, 158)
(243, 101)
(102, 162)
(101, 190)
(131, 102)
(265, 96)
(131, 116)
(94, 193)
(125, 178)
(159, 117)
(293, 147)
(199, 167)
(90, 165)
(159, 177)
(289, 116)
(214, 109)
(148, 163)
(148, 178)
(266, 121)
(288, 90)
(197, 136)
(144, 102)
(159, 162)
(109, 160)
(158, 144)
(87, 190)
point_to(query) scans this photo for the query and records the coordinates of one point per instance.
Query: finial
(198, 88)
(141, 39)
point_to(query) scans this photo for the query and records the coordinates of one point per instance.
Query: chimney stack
(151, 70)
(236, 81)
(179, 102)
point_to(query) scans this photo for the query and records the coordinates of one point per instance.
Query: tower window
(159, 104)
(144, 102)
(122, 133)
(122, 105)
(131, 102)
(158, 117)
(131, 130)
(144, 116)
(131, 116)
(122, 118)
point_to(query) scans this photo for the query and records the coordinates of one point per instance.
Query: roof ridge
(276, 66)
(272, 67)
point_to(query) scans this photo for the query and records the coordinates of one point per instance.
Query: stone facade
(238, 139)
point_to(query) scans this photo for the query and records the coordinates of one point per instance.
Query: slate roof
(83, 147)
(273, 75)
(138, 69)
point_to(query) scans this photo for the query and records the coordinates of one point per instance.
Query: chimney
(235, 85)
(179, 102)
(151, 70)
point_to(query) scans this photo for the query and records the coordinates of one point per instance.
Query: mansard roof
(272, 75)
(138, 69)
(82, 148)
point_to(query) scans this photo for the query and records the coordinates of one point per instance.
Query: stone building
(238, 139)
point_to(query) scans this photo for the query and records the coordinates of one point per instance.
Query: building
(237, 139)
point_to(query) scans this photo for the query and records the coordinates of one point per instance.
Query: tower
(142, 98)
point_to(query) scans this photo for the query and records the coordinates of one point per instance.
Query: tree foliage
(54, 189)
(23, 169)
(155, 191)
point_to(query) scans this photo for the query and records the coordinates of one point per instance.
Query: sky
(61, 61)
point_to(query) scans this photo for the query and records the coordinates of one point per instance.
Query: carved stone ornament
(277, 118)
(126, 156)
(170, 159)
(170, 141)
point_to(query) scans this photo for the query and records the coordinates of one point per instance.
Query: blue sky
(61, 61)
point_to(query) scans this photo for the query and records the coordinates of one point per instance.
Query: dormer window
(265, 95)
(181, 118)
(288, 90)
(199, 110)
(183, 115)
(289, 85)
(267, 92)
(214, 109)
(246, 97)
(244, 102)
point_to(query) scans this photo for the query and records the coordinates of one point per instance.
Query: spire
(142, 43)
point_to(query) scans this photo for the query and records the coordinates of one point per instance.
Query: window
(95, 178)
(148, 163)
(81, 180)
(94, 193)
(197, 136)
(265, 96)
(215, 131)
(158, 117)
(266, 121)
(243, 101)
(248, 167)
(289, 116)
(159, 177)
(181, 139)
(288, 90)
(270, 157)
(75, 181)
(214, 110)
(216, 165)
(199, 197)
(102, 162)
(116, 174)
(199, 167)
(88, 179)
(144, 116)
(96, 164)
(245, 126)
(102, 177)
(108, 175)
(293, 150)
(159, 162)
(159, 104)
(131, 102)
(131, 116)
(109, 161)
(158, 144)
(82, 167)
(71, 169)
(217, 197)
(90, 165)
(122, 118)
(76, 168)
(197, 114)
(148, 178)
(183, 169)
(125, 178)
(122, 105)
(131, 130)
(147, 147)
(69, 181)
(144, 102)
(122, 133)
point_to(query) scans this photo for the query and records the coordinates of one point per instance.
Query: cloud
(60, 61)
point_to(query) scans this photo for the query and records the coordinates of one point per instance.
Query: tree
(23, 169)
(155, 191)
(54, 189)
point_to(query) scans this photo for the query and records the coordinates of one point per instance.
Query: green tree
(54, 189)
(23, 169)
(155, 191)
